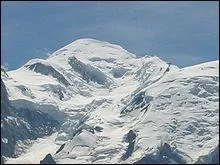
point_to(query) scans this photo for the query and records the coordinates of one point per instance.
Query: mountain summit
(113, 107)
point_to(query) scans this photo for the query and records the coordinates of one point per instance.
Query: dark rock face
(61, 148)
(88, 72)
(138, 98)
(165, 155)
(60, 94)
(48, 160)
(129, 138)
(119, 72)
(211, 158)
(24, 124)
(4, 95)
(215, 156)
(138, 101)
(21, 124)
(48, 70)
(98, 128)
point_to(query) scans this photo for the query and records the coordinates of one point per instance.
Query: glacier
(111, 106)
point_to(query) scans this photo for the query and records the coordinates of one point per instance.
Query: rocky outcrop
(21, 124)
(48, 160)
(129, 138)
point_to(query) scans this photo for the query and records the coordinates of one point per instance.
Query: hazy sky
(183, 33)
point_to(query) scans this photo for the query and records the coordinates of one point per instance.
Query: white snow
(40, 148)
(183, 109)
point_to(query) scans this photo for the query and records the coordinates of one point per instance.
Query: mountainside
(116, 108)
(21, 124)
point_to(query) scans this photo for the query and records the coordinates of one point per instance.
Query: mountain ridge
(115, 107)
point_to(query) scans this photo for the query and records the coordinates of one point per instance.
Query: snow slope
(20, 125)
(117, 108)
(36, 152)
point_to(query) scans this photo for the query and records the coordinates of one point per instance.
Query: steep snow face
(183, 112)
(117, 108)
(171, 123)
(44, 68)
(74, 72)
(88, 72)
(93, 50)
(37, 152)
(102, 55)
(21, 124)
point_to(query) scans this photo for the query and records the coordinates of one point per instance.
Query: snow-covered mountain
(21, 125)
(115, 107)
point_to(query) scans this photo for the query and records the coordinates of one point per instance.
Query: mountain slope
(117, 108)
(20, 125)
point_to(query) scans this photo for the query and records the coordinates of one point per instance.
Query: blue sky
(183, 33)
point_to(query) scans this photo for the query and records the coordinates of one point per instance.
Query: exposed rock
(48, 160)
(98, 128)
(88, 72)
(60, 149)
(48, 70)
(165, 155)
(129, 138)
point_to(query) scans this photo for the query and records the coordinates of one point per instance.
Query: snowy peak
(91, 51)
(117, 108)
(92, 47)
(82, 68)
